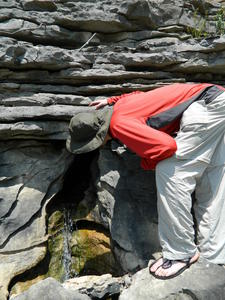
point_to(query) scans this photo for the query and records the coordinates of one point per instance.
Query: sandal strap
(169, 262)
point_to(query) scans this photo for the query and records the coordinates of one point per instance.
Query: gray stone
(30, 174)
(48, 130)
(18, 53)
(12, 264)
(202, 281)
(50, 289)
(100, 73)
(127, 205)
(89, 89)
(38, 5)
(97, 287)
(42, 99)
(55, 112)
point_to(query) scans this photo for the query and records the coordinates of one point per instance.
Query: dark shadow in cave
(76, 181)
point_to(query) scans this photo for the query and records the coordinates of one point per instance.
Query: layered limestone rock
(55, 58)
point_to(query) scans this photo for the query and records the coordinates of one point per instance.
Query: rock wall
(55, 58)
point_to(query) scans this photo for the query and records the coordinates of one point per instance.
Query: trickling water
(67, 235)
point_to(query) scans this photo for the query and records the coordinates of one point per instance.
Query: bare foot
(176, 267)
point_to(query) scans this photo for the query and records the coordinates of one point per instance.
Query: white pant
(198, 165)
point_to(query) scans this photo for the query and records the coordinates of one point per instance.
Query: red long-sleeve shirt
(145, 121)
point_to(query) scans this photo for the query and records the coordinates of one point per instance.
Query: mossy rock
(91, 253)
(55, 222)
(90, 249)
(55, 247)
(52, 263)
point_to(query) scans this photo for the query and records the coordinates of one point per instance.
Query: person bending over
(178, 130)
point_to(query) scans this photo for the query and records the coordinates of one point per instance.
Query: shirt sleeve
(150, 144)
(114, 99)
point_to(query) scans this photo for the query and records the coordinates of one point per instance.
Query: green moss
(55, 248)
(55, 222)
(90, 249)
(220, 21)
(91, 253)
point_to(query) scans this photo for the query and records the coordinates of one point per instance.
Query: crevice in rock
(189, 293)
(39, 270)
(27, 178)
(143, 68)
(12, 207)
(35, 40)
(97, 81)
(91, 225)
(29, 35)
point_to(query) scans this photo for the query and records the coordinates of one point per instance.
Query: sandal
(167, 263)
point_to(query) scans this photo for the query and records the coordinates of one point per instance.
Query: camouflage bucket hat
(88, 130)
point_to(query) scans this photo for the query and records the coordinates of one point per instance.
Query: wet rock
(91, 252)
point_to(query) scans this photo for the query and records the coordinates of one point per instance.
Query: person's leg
(210, 208)
(201, 130)
(176, 180)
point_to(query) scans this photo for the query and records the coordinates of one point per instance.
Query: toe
(156, 265)
(170, 271)
(159, 271)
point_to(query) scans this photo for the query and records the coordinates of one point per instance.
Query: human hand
(99, 103)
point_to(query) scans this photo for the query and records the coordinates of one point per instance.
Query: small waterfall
(67, 235)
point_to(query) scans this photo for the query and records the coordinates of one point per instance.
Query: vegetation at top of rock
(220, 21)
(200, 30)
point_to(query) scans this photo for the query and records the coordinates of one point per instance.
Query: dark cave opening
(76, 181)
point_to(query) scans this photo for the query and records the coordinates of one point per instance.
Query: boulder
(202, 281)
(97, 287)
(127, 206)
(50, 289)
